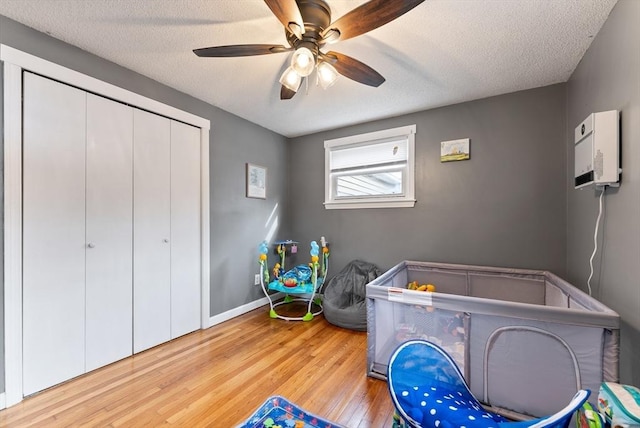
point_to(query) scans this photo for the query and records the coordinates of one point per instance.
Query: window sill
(344, 205)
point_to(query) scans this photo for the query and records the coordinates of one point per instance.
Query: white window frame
(404, 200)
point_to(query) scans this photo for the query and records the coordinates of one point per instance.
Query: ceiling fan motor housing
(316, 16)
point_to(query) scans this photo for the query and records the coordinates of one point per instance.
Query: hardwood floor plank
(218, 377)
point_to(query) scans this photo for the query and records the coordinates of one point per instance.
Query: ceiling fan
(308, 28)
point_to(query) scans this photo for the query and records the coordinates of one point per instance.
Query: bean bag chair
(345, 303)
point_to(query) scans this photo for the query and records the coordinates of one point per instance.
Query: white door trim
(15, 61)
(12, 233)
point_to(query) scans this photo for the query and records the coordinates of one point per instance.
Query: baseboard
(240, 310)
(3, 400)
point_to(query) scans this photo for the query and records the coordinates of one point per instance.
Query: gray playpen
(526, 340)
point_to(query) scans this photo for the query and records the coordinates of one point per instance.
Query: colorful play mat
(278, 412)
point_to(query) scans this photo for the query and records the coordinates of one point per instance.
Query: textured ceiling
(440, 53)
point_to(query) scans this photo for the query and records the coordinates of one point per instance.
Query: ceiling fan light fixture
(291, 79)
(327, 74)
(303, 61)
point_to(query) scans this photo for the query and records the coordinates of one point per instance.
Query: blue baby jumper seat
(428, 390)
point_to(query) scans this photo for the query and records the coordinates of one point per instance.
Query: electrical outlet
(256, 279)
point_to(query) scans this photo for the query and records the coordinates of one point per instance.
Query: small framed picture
(256, 181)
(454, 150)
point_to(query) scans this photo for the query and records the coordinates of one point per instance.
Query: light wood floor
(218, 377)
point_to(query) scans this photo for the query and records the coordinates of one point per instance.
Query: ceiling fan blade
(354, 69)
(240, 50)
(287, 11)
(371, 15)
(286, 93)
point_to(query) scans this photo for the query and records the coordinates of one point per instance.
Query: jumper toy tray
(303, 288)
(303, 281)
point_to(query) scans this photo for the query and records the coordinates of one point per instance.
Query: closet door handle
(165, 240)
(91, 245)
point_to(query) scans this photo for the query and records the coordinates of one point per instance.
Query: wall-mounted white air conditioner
(597, 150)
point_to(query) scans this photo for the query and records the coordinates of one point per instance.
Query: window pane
(369, 183)
(371, 154)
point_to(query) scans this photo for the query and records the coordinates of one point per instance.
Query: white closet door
(109, 300)
(152, 233)
(53, 233)
(185, 229)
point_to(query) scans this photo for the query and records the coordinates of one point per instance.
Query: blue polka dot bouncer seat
(428, 390)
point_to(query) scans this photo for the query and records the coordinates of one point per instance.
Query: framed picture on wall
(256, 181)
(455, 150)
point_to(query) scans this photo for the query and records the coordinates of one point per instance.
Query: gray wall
(503, 207)
(237, 223)
(607, 78)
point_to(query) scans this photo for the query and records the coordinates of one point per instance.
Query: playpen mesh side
(611, 356)
(507, 287)
(445, 281)
(509, 382)
(400, 279)
(395, 323)
(554, 296)
(529, 366)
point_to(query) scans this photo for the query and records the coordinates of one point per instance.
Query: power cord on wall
(595, 240)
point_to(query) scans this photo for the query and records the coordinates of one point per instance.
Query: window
(373, 170)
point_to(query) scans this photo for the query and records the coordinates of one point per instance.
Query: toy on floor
(455, 325)
(588, 417)
(428, 390)
(278, 412)
(302, 281)
(619, 404)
